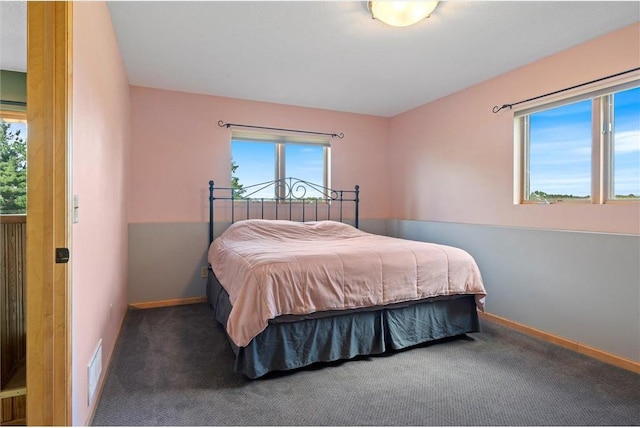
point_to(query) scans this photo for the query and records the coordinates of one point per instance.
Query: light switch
(75, 209)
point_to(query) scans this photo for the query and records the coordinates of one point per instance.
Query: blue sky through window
(22, 126)
(626, 148)
(560, 150)
(256, 164)
(560, 147)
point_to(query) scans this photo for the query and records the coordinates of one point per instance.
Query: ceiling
(331, 54)
(13, 35)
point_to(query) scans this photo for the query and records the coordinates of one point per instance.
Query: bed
(303, 285)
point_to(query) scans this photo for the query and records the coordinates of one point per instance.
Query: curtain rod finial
(496, 109)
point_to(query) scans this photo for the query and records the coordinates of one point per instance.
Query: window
(626, 145)
(582, 149)
(262, 158)
(13, 163)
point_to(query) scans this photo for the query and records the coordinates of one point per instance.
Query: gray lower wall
(580, 286)
(165, 258)
(165, 261)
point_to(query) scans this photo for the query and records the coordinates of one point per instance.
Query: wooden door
(48, 309)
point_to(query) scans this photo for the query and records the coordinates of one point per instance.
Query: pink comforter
(271, 268)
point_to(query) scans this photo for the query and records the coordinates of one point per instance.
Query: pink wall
(178, 147)
(101, 138)
(453, 158)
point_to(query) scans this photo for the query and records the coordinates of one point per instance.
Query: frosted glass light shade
(401, 13)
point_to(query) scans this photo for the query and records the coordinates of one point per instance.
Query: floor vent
(95, 369)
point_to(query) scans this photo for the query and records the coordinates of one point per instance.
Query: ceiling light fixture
(401, 13)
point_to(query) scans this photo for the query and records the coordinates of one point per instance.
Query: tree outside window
(13, 167)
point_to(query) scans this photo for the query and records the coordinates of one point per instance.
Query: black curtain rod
(13, 103)
(496, 109)
(221, 124)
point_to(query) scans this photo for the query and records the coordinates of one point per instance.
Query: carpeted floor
(173, 366)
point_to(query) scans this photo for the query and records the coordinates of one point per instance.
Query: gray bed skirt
(286, 345)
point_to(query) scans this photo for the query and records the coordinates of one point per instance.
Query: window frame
(14, 115)
(602, 133)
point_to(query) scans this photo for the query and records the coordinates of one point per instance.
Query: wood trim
(13, 115)
(622, 201)
(63, 210)
(49, 26)
(17, 392)
(165, 303)
(13, 218)
(565, 343)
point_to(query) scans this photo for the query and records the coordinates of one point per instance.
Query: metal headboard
(289, 194)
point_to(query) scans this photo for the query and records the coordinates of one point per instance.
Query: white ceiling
(331, 54)
(13, 35)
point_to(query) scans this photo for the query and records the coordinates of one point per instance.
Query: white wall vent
(94, 370)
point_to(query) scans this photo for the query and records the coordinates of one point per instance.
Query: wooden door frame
(48, 291)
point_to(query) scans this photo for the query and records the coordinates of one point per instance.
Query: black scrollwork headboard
(298, 199)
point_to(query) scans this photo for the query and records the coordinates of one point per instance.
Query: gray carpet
(173, 366)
